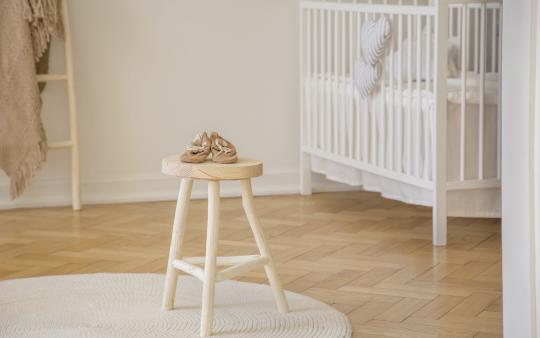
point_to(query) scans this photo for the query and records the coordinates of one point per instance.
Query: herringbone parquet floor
(369, 257)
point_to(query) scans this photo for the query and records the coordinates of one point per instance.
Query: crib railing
(477, 28)
(375, 134)
(390, 133)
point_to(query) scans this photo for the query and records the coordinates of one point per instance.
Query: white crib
(425, 136)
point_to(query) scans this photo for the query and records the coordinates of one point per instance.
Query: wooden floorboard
(369, 257)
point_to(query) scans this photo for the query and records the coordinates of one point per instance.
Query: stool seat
(243, 169)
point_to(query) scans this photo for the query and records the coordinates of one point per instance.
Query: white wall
(518, 236)
(150, 74)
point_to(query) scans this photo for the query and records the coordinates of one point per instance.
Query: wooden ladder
(73, 141)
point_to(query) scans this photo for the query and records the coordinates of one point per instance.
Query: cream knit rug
(128, 305)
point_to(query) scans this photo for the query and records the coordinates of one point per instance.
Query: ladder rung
(59, 145)
(51, 77)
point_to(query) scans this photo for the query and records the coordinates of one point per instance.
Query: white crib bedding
(470, 203)
(491, 86)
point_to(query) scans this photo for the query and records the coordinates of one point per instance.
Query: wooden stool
(212, 172)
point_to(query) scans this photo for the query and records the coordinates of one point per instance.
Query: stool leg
(175, 252)
(273, 278)
(212, 234)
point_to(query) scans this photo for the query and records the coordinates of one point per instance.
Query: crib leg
(439, 218)
(305, 174)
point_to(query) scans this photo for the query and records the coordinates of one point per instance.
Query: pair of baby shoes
(202, 146)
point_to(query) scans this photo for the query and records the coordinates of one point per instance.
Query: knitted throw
(26, 28)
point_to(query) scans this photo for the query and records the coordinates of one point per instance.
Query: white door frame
(520, 162)
(535, 164)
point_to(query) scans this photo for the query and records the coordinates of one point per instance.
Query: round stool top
(244, 168)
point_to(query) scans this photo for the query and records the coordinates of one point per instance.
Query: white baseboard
(158, 187)
(153, 187)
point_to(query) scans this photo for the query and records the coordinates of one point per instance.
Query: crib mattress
(471, 203)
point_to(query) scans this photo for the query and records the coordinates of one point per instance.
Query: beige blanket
(26, 27)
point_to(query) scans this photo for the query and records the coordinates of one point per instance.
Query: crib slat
(451, 12)
(459, 18)
(464, 63)
(357, 97)
(418, 93)
(482, 92)
(382, 129)
(399, 128)
(366, 130)
(308, 77)
(335, 149)
(427, 139)
(373, 132)
(330, 76)
(390, 62)
(337, 112)
(324, 80)
(350, 87)
(373, 121)
(476, 39)
(493, 40)
(368, 126)
(303, 72)
(365, 126)
(323, 83)
(316, 32)
(499, 112)
(342, 90)
(409, 137)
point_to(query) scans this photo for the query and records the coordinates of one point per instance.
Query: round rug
(129, 305)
